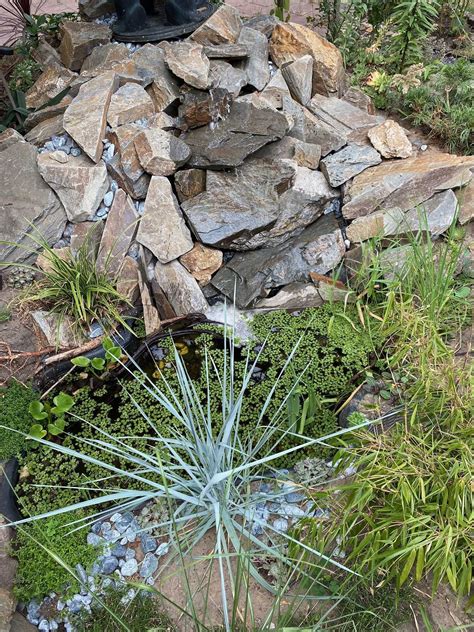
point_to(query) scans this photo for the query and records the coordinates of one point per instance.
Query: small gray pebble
(119, 550)
(148, 543)
(163, 548)
(109, 198)
(129, 568)
(281, 525)
(76, 152)
(94, 539)
(109, 565)
(130, 554)
(148, 566)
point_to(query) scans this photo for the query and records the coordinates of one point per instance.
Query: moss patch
(14, 402)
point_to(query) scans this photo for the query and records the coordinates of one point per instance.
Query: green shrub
(39, 547)
(14, 402)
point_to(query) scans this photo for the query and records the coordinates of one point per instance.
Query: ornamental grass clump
(208, 480)
(73, 287)
(408, 511)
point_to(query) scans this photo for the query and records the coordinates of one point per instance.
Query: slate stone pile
(237, 158)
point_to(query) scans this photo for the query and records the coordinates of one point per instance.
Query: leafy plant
(14, 113)
(98, 365)
(14, 402)
(46, 552)
(52, 418)
(413, 21)
(205, 479)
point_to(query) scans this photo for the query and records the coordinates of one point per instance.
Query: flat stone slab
(181, 288)
(250, 125)
(405, 183)
(78, 39)
(119, 230)
(187, 61)
(130, 103)
(342, 116)
(79, 183)
(291, 41)
(160, 153)
(162, 228)
(85, 119)
(348, 162)
(223, 27)
(262, 203)
(253, 274)
(33, 204)
(435, 215)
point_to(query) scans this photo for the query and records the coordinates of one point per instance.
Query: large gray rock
(120, 227)
(348, 162)
(309, 129)
(9, 137)
(256, 64)
(237, 205)
(223, 27)
(125, 166)
(49, 85)
(291, 41)
(262, 203)
(188, 62)
(224, 76)
(405, 183)
(298, 76)
(162, 228)
(79, 183)
(253, 274)
(130, 103)
(85, 119)
(104, 58)
(181, 288)
(341, 116)
(31, 207)
(251, 124)
(435, 215)
(160, 153)
(78, 39)
(199, 108)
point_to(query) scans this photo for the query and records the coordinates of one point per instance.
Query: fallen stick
(14, 355)
(70, 353)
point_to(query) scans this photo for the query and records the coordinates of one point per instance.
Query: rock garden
(235, 355)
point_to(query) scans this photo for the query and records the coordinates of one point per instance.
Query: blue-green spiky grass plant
(207, 479)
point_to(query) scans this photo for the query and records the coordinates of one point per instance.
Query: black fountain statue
(153, 21)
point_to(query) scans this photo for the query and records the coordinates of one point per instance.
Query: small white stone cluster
(116, 539)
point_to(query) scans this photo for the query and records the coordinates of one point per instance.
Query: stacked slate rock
(236, 159)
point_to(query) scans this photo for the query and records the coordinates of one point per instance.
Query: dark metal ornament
(149, 21)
